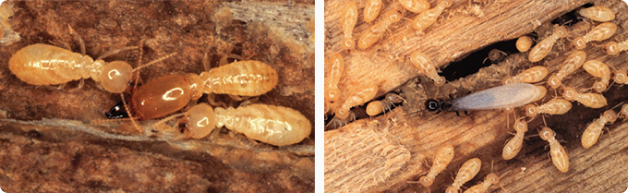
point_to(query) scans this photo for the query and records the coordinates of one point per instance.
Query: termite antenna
(128, 111)
(116, 51)
(81, 42)
(154, 61)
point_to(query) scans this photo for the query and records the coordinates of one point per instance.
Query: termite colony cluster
(520, 90)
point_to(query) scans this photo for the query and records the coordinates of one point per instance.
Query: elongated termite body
(443, 156)
(593, 131)
(598, 69)
(598, 33)
(377, 30)
(552, 107)
(427, 67)
(524, 43)
(613, 48)
(349, 19)
(592, 100)
(467, 171)
(512, 148)
(361, 97)
(545, 46)
(415, 6)
(332, 94)
(557, 151)
(620, 77)
(427, 18)
(506, 96)
(371, 10)
(243, 78)
(598, 13)
(573, 62)
(530, 75)
(270, 124)
(490, 179)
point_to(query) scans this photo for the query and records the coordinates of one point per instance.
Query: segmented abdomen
(41, 64)
(244, 78)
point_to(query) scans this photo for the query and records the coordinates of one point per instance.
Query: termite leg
(81, 42)
(126, 107)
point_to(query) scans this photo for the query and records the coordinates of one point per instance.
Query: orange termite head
(561, 31)
(451, 190)
(599, 87)
(425, 181)
(332, 94)
(569, 93)
(374, 108)
(493, 178)
(521, 126)
(201, 120)
(546, 133)
(554, 82)
(620, 77)
(610, 116)
(445, 3)
(579, 43)
(348, 43)
(115, 76)
(440, 81)
(342, 114)
(611, 48)
(530, 110)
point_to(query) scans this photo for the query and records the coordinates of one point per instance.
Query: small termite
(552, 107)
(415, 6)
(557, 151)
(598, 33)
(371, 10)
(506, 96)
(573, 62)
(427, 18)
(443, 156)
(592, 100)
(598, 69)
(593, 131)
(598, 13)
(620, 77)
(496, 55)
(427, 67)
(489, 180)
(524, 43)
(512, 148)
(361, 97)
(377, 107)
(199, 121)
(467, 171)
(377, 30)
(613, 48)
(332, 94)
(545, 46)
(530, 75)
(275, 125)
(349, 19)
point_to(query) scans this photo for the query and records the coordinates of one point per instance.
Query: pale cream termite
(349, 19)
(598, 13)
(573, 62)
(524, 43)
(270, 124)
(593, 131)
(545, 46)
(598, 33)
(371, 10)
(598, 69)
(199, 121)
(361, 97)
(489, 180)
(552, 107)
(377, 107)
(557, 151)
(613, 48)
(592, 100)
(467, 171)
(443, 156)
(512, 148)
(427, 67)
(530, 75)
(332, 93)
(376, 31)
(427, 18)
(415, 6)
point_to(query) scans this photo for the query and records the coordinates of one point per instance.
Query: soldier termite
(467, 171)
(334, 73)
(592, 100)
(415, 6)
(371, 10)
(349, 19)
(598, 13)
(443, 156)
(557, 151)
(530, 75)
(376, 31)
(593, 131)
(427, 18)
(598, 33)
(427, 67)
(361, 97)
(613, 48)
(573, 62)
(512, 148)
(545, 46)
(598, 69)
(553, 107)
(377, 107)
(489, 180)
(506, 96)
(524, 43)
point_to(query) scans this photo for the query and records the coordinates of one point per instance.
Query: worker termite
(598, 13)
(415, 6)
(467, 171)
(427, 67)
(573, 62)
(427, 18)
(592, 100)
(443, 156)
(349, 19)
(524, 43)
(377, 107)
(496, 56)
(512, 148)
(593, 131)
(361, 97)
(598, 33)
(333, 76)
(376, 31)
(598, 69)
(545, 46)
(506, 96)
(530, 75)
(489, 180)
(553, 107)
(371, 10)
(557, 151)
(613, 48)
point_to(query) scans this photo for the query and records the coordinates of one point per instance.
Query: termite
(377, 107)
(557, 151)
(573, 62)
(592, 100)
(623, 113)
(361, 97)
(467, 171)
(620, 77)
(598, 69)
(489, 180)
(496, 55)
(415, 6)
(443, 156)
(598, 13)
(598, 33)
(371, 10)
(524, 43)
(545, 46)
(427, 18)
(530, 75)
(506, 96)
(376, 31)
(512, 148)
(552, 107)
(593, 131)
(349, 19)
(275, 125)
(332, 94)
(199, 121)
(427, 67)
(613, 48)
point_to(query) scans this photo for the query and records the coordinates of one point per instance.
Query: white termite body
(506, 96)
